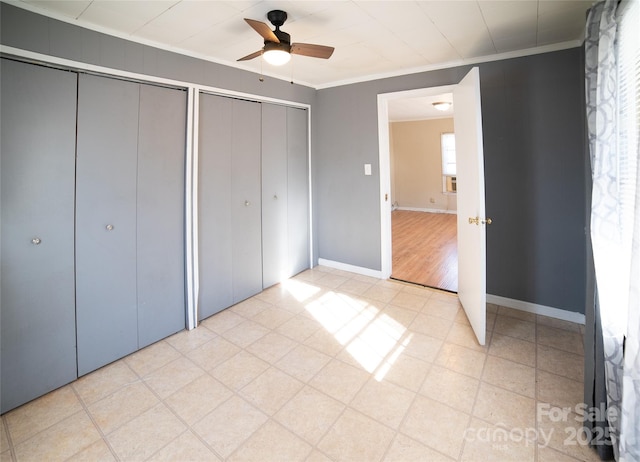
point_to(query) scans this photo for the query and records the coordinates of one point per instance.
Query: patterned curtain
(615, 219)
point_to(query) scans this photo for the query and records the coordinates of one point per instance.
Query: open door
(472, 264)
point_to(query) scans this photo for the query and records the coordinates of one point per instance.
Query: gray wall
(345, 128)
(533, 139)
(23, 29)
(533, 125)
(534, 159)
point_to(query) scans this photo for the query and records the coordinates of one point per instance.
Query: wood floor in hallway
(425, 250)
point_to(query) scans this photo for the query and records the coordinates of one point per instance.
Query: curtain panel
(612, 81)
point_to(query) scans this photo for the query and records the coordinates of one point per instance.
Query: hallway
(425, 249)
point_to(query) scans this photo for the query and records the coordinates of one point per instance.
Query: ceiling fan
(278, 48)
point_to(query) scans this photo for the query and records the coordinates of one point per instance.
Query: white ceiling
(419, 108)
(372, 38)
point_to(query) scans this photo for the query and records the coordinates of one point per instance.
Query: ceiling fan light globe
(276, 57)
(442, 105)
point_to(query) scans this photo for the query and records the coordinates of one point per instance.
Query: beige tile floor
(329, 366)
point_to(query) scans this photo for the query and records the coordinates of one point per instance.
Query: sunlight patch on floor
(373, 338)
(355, 325)
(299, 290)
(388, 363)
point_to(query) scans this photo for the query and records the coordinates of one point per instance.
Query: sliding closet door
(214, 202)
(38, 124)
(298, 186)
(160, 213)
(107, 144)
(275, 242)
(245, 200)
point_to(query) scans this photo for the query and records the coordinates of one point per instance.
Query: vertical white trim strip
(191, 314)
(194, 204)
(385, 186)
(310, 187)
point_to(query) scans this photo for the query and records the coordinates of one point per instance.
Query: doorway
(471, 219)
(422, 239)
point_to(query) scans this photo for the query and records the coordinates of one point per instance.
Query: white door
(470, 186)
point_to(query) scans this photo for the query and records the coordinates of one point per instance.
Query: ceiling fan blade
(262, 29)
(251, 56)
(309, 49)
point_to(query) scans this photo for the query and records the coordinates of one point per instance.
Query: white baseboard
(543, 310)
(350, 268)
(534, 308)
(418, 209)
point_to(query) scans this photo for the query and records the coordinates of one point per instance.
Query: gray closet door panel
(246, 200)
(214, 205)
(37, 165)
(160, 213)
(275, 247)
(106, 198)
(298, 197)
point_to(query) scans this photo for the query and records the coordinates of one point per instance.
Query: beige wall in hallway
(416, 164)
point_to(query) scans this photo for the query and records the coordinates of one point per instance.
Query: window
(629, 111)
(448, 145)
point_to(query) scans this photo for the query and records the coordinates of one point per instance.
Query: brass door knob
(478, 221)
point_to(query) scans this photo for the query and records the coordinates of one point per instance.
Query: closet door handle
(36, 241)
(109, 227)
(247, 203)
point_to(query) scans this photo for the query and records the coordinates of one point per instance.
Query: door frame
(385, 166)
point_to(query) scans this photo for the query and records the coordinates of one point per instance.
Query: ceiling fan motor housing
(277, 17)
